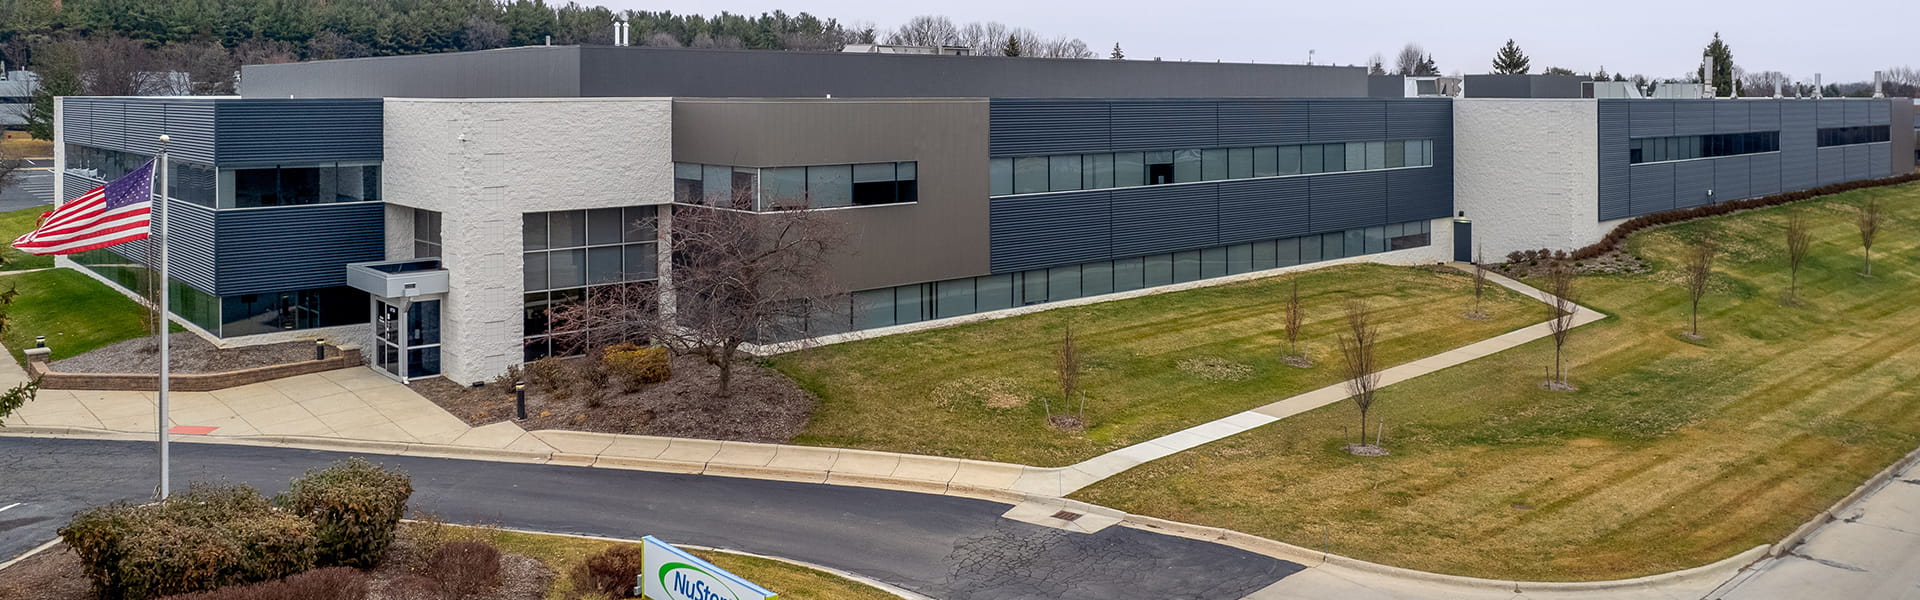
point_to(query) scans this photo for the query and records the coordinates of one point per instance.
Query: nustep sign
(672, 574)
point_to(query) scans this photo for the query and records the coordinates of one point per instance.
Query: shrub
(329, 583)
(610, 572)
(1515, 257)
(356, 506)
(548, 374)
(638, 365)
(459, 570)
(1619, 234)
(208, 537)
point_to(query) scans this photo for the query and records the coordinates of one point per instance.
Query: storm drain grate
(1066, 515)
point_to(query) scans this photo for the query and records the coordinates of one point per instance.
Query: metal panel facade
(1417, 194)
(1264, 122)
(135, 125)
(1730, 117)
(1030, 127)
(1263, 209)
(1165, 219)
(1614, 191)
(297, 247)
(1652, 188)
(1799, 162)
(1030, 232)
(1348, 201)
(296, 131)
(1349, 120)
(1151, 125)
(1732, 179)
(1833, 165)
(1692, 117)
(1691, 181)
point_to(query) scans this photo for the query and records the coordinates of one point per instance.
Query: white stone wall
(483, 163)
(399, 232)
(1527, 173)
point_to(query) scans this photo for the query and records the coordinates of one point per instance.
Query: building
(16, 95)
(380, 199)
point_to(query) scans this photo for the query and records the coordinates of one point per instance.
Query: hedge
(356, 506)
(1619, 234)
(209, 537)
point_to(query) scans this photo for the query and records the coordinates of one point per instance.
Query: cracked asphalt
(940, 546)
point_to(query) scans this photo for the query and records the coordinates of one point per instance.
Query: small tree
(1117, 53)
(1869, 220)
(1699, 271)
(1294, 320)
(1066, 366)
(1799, 240)
(1012, 47)
(1563, 307)
(1357, 354)
(1479, 284)
(1510, 60)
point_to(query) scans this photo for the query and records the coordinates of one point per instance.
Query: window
(426, 233)
(1846, 136)
(1063, 173)
(1030, 175)
(1000, 176)
(1129, 169)
(874, 183)
(1040, 174)
(1186, 166)
(1266, 162)
(1213, 164)
(298, 185)
(565, 252)
(830, 186)
(1336, 157)
(1098, 171)
(194, 183)
(824, 186)
(1686, 147)
(783, 188)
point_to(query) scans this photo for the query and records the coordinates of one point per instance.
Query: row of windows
(1066, 172)
(920, 302)
(541, 340)
(787, 188)
(240, 314)
(572, 248)
(212, 187)
(1684, 147)
(1842, 136)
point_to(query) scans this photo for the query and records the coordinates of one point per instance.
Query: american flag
(111, 214)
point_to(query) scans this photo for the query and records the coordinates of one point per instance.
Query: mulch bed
(191, 354)
(763, 406)
(55, 574)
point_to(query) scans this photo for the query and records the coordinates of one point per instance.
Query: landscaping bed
(763, 405)
(191, 354)
(1152, 365)
(1672, 453)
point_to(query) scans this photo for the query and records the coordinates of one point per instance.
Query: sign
(670, 573)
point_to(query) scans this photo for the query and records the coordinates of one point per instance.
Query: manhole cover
(1066, 515)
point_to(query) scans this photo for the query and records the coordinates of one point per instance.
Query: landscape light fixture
(319, 349)
(520, 400)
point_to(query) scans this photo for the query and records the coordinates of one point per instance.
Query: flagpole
(166, 358)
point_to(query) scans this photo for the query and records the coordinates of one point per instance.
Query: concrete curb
(29, 554)
(1793, 540)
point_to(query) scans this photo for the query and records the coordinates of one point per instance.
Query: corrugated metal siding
(1021, 127)
(1651, 118)
(1833, 165)
(1263, 122)
(1692, 117)
(1165, 219)
(1615, 190)
(275, 131)
(1419, 119)
(1349, 120)
(1857, 110)
(1419, 194)
(135, 125)
(1857, 161)
(1878, 164)
(1149, 125)
(1763, 115)
(191, 252)
(1731, 178)
(1348, 201)
(1731, 117)
(1652, 188)
(1833, 113)
(296, 247)
(1764, 174)
(1030, 232)
(1263, 209)
(1799, 163)
(1691, 180)
(1879, 112)
(73, 186)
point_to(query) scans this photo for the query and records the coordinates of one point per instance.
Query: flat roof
(609, 71)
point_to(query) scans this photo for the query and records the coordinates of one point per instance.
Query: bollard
(39, 341)
(319, 349)
(520, 400)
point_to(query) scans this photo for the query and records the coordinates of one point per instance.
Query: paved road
(944, 547)
(1872, 552)
(28, 188)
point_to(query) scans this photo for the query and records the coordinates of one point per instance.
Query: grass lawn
(789, 581)
(75, 312)
(17, 144)
(15, 224)
(1154, 364)
(1673, 453)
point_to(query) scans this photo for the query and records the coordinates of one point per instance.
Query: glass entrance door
(406, 338)
(386, 339)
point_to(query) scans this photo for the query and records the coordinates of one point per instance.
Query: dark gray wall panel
(1833, 113)
(1731, 117)
(1651, 118)
(1857, 161)
(1418, 194)
(135, 125)
(1691, 180)
(1799, 162)
(1652, 188)
(1165, 219)
(1348, 201)
(1857, 110)
(1877, 164)
(1419, 119)
(1349, 120)
(296, 247)
(1021, 127)
(1879, 112)
(1763, 116)
(74, 185)
(1731, 178)
(1263, 122)
(1692, 117)
(285, 131)
(1147, 125)
(1263, 209)
(1764, 174)
(1613, 133)
(190, 254)
(1030, 232)
(1833, 165)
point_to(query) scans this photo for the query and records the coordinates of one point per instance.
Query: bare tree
(481, 33)
(1563, 307)
(120, 66)
(662, 39)
(708, 40)
(263, 51)
(1408, 61)
(1067, 365)
(1479, 283)
(925, 30)
(1869, 220)
(1295, 316)
(1363, 375)
(8, 165)
(1763, 83)
(1699, 271)
(1799, 240)
(737, 277)
(208, 67)
(328, 45)
(985, 39)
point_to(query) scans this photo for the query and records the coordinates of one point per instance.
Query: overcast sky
(1844, 40)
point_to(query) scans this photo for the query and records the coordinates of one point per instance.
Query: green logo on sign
(693, 583)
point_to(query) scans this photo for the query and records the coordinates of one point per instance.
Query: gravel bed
(191, 354)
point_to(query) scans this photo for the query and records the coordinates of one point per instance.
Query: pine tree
(1427, 67)
(1013, 47)
(1602, 75)
(1722, 78)
(1117, 54)
(59, 76)
(1510, 60)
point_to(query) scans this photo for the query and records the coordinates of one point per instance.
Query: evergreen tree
(1427, 67)
(1510, 60)
(1602, 74)
(1117, 54)
(1722, 78)
(59, 71)
(1559, 71)
(1013, 47)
